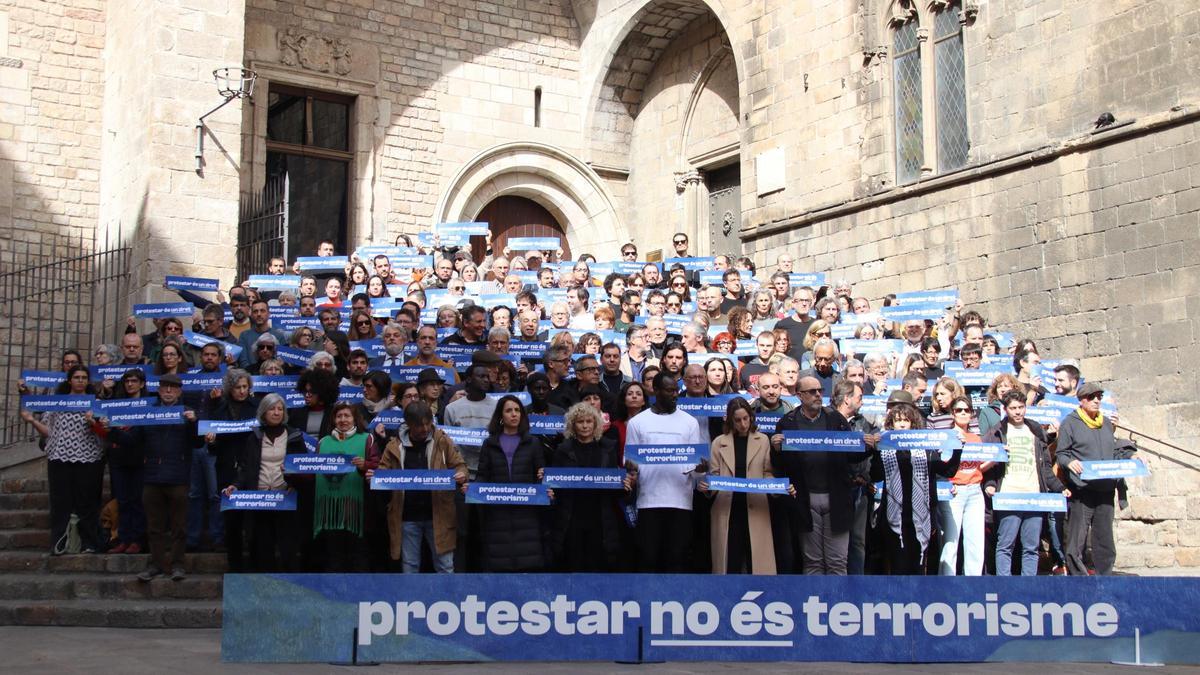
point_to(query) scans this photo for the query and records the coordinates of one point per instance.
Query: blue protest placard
(945, 491)
(1044, 415)
(508, 494)
(291, 323)
(631, 617)
(873, 406)
(328, 263)
(691, 264)
(311, 445)
(1114, 468)
(471, 229)
(57, 403)
(1029, 501)
(823, 441)
(546, 425)
(318, 464)
(770, 486)
(43, 378)
(292, 399)
(194, 284)
(259, 500)
(984, 452)
(200, 339)
(367, 253)
(855, 346)
(563, 478)
(767, 421)
(413, 479)
(533, 243)
(942, 296)
(431, 239)
(410, 373)
(470, 437)
(810, 279)
(680, 453)
(522, 396)
(274, 383)
(527, 350)
(163, 310)
(202, 381)
(746, 348)
(713, 406)
(944, 441)
(294, 356)
(218, 427)
(916, 311)
(149, 416)
(350, 394)
(391, 418)
(456, 352)
(102, 408)
(711, 277)
(274, 282)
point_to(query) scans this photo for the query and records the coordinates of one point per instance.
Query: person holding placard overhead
(1087, 435)
(512, 535)
(741, 523)
(664, 491)
(1027, 470)
(588, 525)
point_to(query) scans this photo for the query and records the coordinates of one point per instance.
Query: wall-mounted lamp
(232, 83)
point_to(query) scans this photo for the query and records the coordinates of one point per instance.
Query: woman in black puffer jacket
(512, 535)
(236, 403)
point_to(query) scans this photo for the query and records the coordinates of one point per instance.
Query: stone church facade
(899, 144)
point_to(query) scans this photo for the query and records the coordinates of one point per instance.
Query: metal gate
(263, 228)
(725, 209)
(60, 291)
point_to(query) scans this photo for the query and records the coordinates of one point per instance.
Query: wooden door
(511, 216)
(725, 209)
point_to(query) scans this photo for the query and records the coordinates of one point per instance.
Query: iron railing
(58, 291)
(263, 228)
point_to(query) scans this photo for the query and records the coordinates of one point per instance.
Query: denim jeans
(203, 497)
(410, 548)
(1013, 524)
(127, 490)
(962, 516)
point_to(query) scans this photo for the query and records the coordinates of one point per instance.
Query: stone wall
(51, 88)
(1092, 248)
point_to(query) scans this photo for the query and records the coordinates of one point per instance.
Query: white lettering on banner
(750, 618)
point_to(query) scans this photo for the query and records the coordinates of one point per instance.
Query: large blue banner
(594, 617)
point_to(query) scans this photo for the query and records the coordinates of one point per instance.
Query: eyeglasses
(266, 346)
(362, 323)
(723, 342)
(587, 369)
(962, 410)
(629, 253)
(679, 242)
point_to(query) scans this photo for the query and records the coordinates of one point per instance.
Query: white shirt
(664, 485)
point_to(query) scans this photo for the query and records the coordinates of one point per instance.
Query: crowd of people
(388, 365)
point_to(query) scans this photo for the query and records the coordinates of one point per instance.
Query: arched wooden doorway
(512, 216)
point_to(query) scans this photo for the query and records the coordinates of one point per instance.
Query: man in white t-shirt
(664, 501)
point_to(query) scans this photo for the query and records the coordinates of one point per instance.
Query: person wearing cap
(167, 449)
(1086, 435)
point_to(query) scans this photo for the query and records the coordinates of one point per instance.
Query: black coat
(1047, 481)
(840, 468)
(512, 535)
(227, 448)
(298, 419)
(611, 519)
(166, 450)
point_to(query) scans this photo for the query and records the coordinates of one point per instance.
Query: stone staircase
(37, 589)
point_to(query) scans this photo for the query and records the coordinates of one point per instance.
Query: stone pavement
(130, 651)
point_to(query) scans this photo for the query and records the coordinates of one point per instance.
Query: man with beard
(395, 339)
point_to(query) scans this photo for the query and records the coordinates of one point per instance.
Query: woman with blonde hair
(991, 414)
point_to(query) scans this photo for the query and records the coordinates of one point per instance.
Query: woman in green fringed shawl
(338, 511)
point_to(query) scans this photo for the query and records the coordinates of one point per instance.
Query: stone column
(691, 184)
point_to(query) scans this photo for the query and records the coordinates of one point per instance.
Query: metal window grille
(953, 141)
(910, 151)
(61, 291)
(263, 228)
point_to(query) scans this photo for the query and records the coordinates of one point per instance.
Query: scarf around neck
(1092, 423)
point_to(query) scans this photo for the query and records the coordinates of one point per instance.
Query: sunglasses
(958, 410)
(362, 323)
(679, 242)
(824, 334)
(629, 253)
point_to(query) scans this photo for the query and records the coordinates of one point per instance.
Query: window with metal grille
(950, 88)
(910, 151)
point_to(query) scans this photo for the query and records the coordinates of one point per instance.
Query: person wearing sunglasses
(680, 243)
(629, 252)
(962, 516)
(1086, 434)
(812, 530)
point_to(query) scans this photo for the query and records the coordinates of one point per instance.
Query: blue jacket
(167, 450)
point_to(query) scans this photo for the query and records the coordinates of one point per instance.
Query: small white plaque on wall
(769, 171)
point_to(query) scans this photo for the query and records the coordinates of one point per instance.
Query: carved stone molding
(685, 178)
(970, 10)
(314, 52)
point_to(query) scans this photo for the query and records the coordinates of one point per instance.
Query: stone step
(24, 539)
(112, 613)
(121, 563)
(55, 586)
(24, 500)
(110, 563)
(23, 486)
(24, 520)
